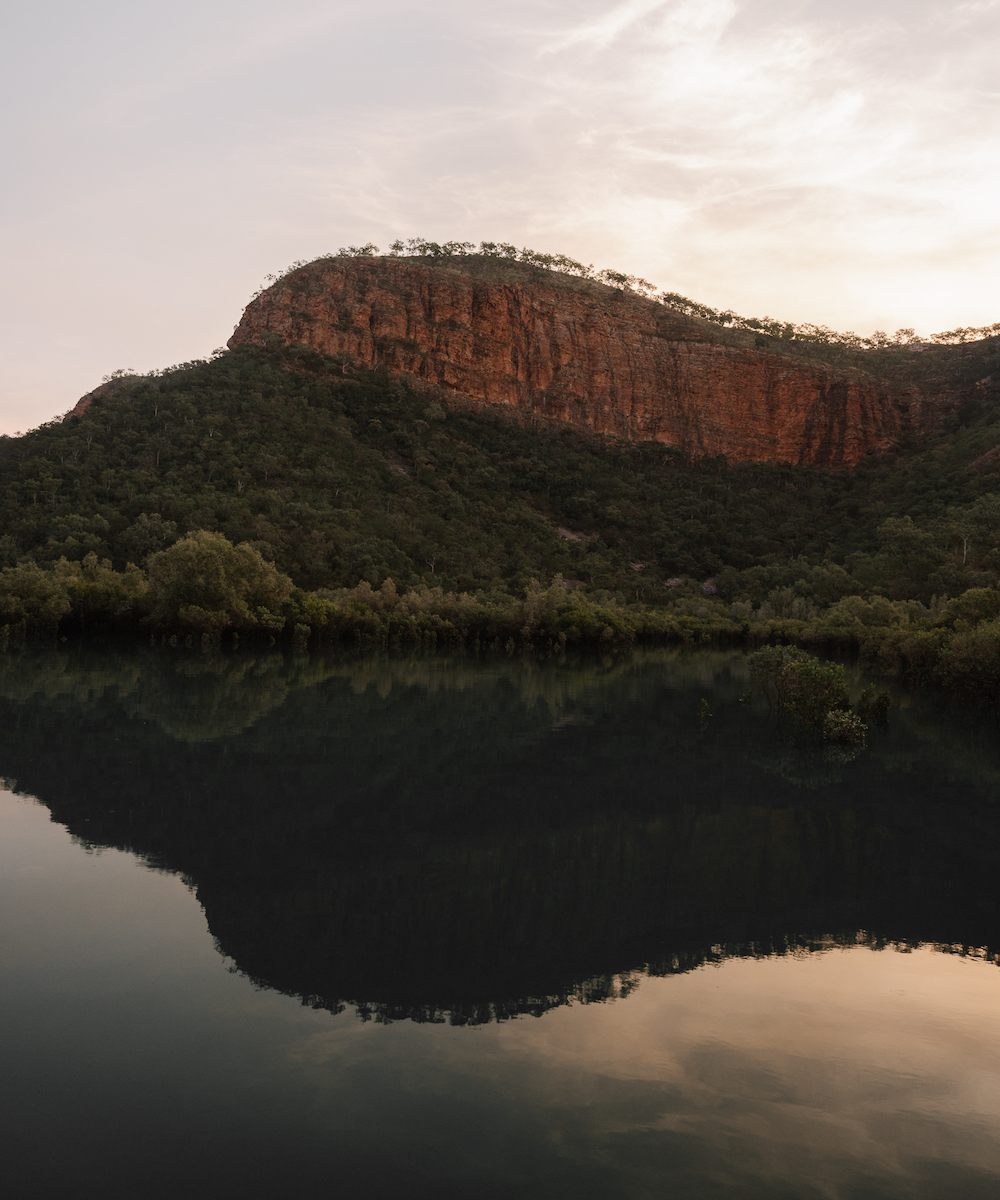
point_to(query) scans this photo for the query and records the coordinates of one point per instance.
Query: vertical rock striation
(582, 352)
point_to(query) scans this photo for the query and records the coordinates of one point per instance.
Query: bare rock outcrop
(582, 352)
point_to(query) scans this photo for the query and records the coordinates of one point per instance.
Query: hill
(346, 477)
(513, 336)
(340, 478)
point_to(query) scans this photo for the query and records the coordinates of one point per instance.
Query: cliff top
(946, 360)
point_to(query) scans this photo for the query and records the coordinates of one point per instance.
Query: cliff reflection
(441, 837)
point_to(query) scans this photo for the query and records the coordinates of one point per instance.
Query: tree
(802, 685)
(972, 607)
(977, 524)
(207, 585)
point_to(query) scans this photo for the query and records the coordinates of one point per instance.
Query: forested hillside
(350, 481)
(343, 477)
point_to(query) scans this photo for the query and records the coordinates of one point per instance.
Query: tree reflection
(452, 838)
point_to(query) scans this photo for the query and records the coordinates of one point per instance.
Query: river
(377, 926)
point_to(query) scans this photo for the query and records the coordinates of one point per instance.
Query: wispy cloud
(601, 31)
(836, 163)
(817, 163)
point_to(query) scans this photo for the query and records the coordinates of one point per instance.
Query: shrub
(32, 598)
(803, 685)
(205, 584)
(101, 597)
(767, 670)
(972, 607)
(847, 728)
(970, 661)
(814, 689)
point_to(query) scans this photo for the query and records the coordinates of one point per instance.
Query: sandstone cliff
(585, 353)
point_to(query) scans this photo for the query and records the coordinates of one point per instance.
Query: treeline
(506, 252)
(963, 355)
(822, 335)
(804, 334)
(203, 589)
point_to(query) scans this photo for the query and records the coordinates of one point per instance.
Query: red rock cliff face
(582, 353)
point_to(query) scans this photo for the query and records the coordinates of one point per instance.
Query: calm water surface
(377, 926)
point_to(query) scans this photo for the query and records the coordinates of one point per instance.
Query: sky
(837, 163)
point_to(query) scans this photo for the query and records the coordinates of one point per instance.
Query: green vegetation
(278, 493)
(815, 693)
(807, 688)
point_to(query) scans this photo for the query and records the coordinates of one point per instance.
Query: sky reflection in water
(138, 1061)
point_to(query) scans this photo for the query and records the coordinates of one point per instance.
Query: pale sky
(835, 162)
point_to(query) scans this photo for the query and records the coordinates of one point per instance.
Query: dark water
(277, 924)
